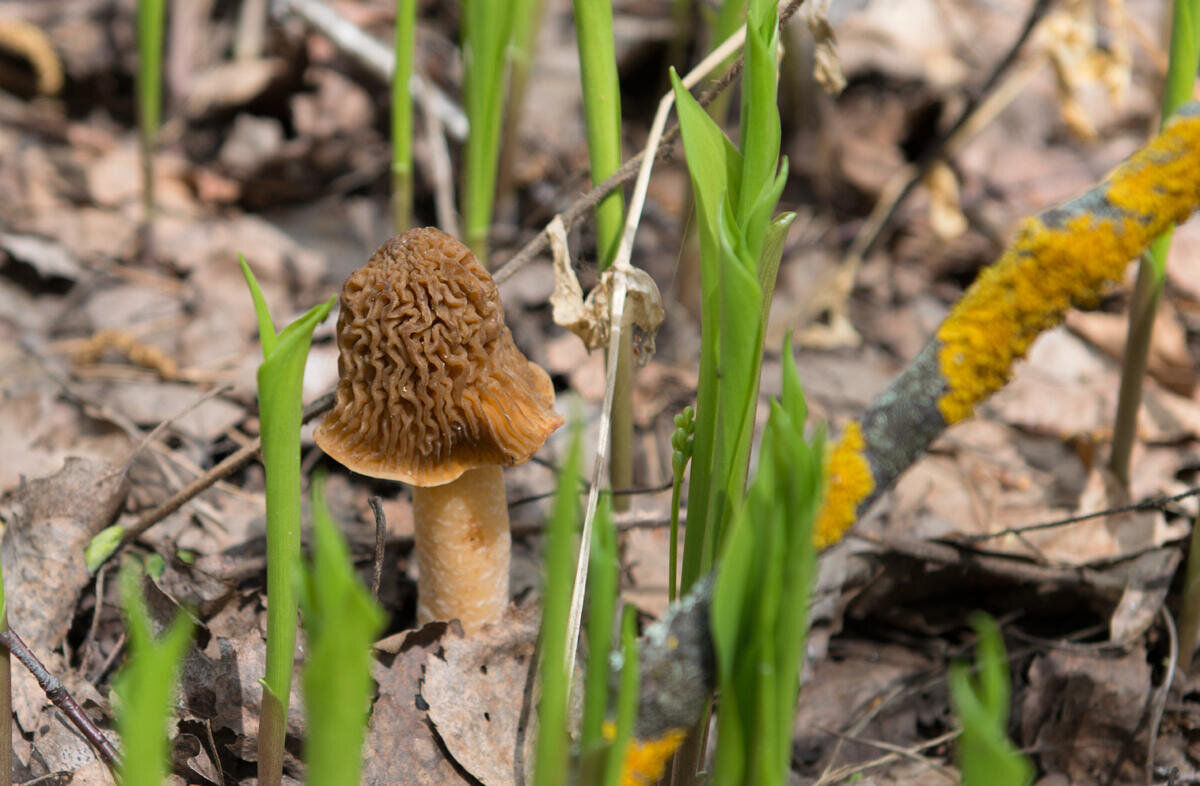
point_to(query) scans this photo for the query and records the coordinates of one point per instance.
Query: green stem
(487, 29)
(402, 114)
(528, 14)
(1181, 78)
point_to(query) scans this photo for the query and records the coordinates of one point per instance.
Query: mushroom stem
(463, 549)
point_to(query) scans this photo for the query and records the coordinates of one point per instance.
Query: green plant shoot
(681, 454)
(556, 601)
(602, 110)
(150, 15)
(737, 189)
(280, 377)
(986, 757)
(1152, 270)
(145, 686)
(341, 620)
(487, 29)
(403, 45)
(759, 611)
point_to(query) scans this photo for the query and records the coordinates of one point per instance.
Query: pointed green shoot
(145, 687)
(341, 620)
(280, 379)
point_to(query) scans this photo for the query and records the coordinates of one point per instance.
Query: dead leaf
(231, 84)
(1076, 702)
(401, 745)
(827, 66)
(480, 699)
(50, 522)
(590, 319)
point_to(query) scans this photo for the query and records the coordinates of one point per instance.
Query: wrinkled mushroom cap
(430, 382)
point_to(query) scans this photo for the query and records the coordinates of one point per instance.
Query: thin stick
(60, 697)
(380, 533)
(223, 470)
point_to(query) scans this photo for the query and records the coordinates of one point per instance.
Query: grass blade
(560, 558)
(146, 684)
(342, 620)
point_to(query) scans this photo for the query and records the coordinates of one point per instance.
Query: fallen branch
(60, 697)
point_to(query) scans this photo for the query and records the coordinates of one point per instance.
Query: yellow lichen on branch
(1051, 267)
(848, 482)
(646, 760)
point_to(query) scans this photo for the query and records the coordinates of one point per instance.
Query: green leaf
(102, 546)
(280, 381)
(560, 558)
(266, 329)
(985, 755)
(342, 621)
(603, 569)
(146, 685)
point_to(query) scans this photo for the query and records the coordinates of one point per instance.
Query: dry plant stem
(60, 696)
(463, 549)
(251, 30)
(231, 464)
(1141, 326)
(441, 173)
(1160, 701)
(620, 467)
(380, 541)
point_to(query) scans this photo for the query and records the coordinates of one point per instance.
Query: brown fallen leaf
(481, 702)
(50, 522)
(1075, 703)
(401, 745)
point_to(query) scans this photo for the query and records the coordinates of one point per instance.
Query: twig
(378, 59)
(583, 205)
(1150, 503)
(836, 776)
(231, 464)
(380, 536)
(585, 487)
(60, 697)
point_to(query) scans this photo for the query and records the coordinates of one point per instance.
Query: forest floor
(107, 332)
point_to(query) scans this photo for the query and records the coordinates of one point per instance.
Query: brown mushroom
(433, 392)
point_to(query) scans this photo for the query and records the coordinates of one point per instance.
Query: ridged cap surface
(430, 383)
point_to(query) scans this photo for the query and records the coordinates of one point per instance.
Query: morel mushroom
(433, 392)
